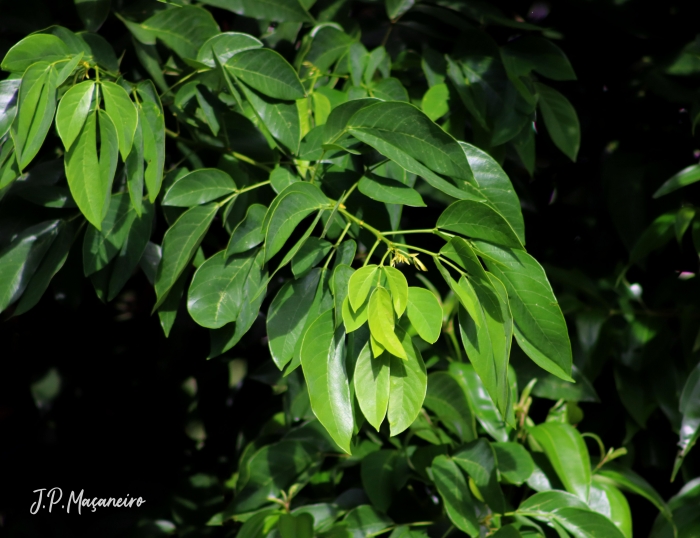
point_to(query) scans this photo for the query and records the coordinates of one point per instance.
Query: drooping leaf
(152, 124)
(323, 362)
(360, 284)
(372, 385)
(408, 386)
(567, 452)
(425, 313)
(398, 286)
(180, 243)
(689, 406)
(541, 55)
(215, 296)
(267, 72)
(101, 246)
(454, 491)
(73, 110)
(539, 325)
(479, 221)
(655, 236)
(380, 315)
(560, 119)
(123, 113)
(199, 187)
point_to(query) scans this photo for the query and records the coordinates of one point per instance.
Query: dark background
(117, 423)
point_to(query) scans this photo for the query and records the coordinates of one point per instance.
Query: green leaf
(560, 119)
(689, 406)
(21, 258)
(398, 287)
(514, 462)
(361, 282)
(389, 191)
(73, 111)
(478, 460)
(268, 10)
(36, 107)
(152, 124)
(134, 170)
(224, 46)
(485, 410)
(267, 72)
(435, 102)
(685, 177)
(378, 471)
(448, 401)
(9, 92)
(183, 29)
(583, 523)
(396, 8)
(568, 454)
(336, 124)
(453, 489)
(628, 480)
(389, 89)
(354, 320)
(539, 328)
(288, 209)
(365, 521)
(299, 526)
(309, 255)
(410, 131)
(495, 186)
(93, 13)
(425, 313)
(288, 315)
(656, 235)
(541, 55)
(123, 114)
(380, 315)
(215, 296)
(281, 178)
(408, 386)
(248, 233)
(199, 187)
(180, 243)
(611, 503)
(480, 221)
(32, 49)
(550, 501)
(132, 250)
(329, 44)
(323, 362)
(339, 287)
(279, 117)
(89, 176)
(460, 251)
(372, 385)
(101, 246)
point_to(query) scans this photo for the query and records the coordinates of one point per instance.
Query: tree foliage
(292, 173)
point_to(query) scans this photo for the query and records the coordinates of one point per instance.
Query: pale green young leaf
(452, 487)
(399, 289)
(248, 233)
(73, 110)
(32, 49)
(372, 385)
(288, 315)
(225, 45)
(539, 325)
(389, 191)
(425, 313)
(267, 72)
(408, 386)
(380, 316)
(377, 348)
(448, 401)
(180, 243)
(21, 258)
(199, 187)
(568, 454)
(101, 246)
(480, 221)
(354, 320)
(323, 363)
(560, 119)
(123, 114)
(360, 283)
(435, 101)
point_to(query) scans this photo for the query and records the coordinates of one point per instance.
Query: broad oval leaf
(453, 489)
(480, 221)
(309, 255)
(268, 72)
(586, 524)
(335, 126)
(184, 29)
(323, 363)
(288, 315)
(215, 296)
(389, 191)
(180, 243)
(448, 401)
(354, 320)
(32, 49)
(425, 313)
(73, 111)
(567, 452)
(380, 315)
(123, 114)
(560, 119)
(435, 101)
(408, 386)
(248, 233)
(514, 462)
(372, 385)
(199, 187)
(225, 45)
(398, 287)
(101, 246)
(539, 325)
(360, 283)
(609, 501)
